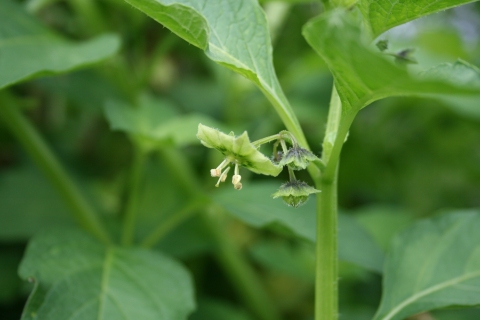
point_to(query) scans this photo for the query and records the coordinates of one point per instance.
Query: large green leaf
(382, 15)
(363, 76)
(232, 33)
(29, 49)
(433, 264)
(78, 278)
(254, 205)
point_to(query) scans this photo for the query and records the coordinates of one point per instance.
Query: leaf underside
(363, 75)
(433, 264)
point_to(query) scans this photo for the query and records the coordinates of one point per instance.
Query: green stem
(240, 273)
(326, 269)
(51, 167)
(171, 223)
(90, 15)
(268, 139)
(131, 208)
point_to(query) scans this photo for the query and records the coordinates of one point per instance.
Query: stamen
(236, 179)
(223, 177)
(218, 170)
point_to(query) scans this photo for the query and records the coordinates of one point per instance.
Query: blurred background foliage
(404, 158)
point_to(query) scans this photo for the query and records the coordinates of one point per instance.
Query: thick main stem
(326, 269)
(51, 167)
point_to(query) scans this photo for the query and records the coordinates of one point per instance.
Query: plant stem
(326, 278)
(33, 143)
(131, 209)
(173, 221)
(326, 269)
(240, 273)
(271, 138)
(284, 110)
(90, 15)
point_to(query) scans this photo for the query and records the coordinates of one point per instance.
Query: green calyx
(238, 151)
(297, 158)
(295, 193)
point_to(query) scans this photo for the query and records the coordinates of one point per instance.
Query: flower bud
(297, 158)
(295, 193)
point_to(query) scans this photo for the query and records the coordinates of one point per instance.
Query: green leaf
(460, 73)
(28, 49)
(154, 122)
(79, 278)
(254, 205)
(433, 264)
(238, 150)
(381, 15)
(362, 75)
(297, 261)
(383, 222)
(20, 219)
(232, 33)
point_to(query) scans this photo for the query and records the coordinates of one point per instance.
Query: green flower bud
(294, 193)
(297, 158)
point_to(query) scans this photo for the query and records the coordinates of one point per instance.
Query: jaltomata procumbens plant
(125, 265)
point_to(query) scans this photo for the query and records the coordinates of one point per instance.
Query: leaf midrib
(428, 291)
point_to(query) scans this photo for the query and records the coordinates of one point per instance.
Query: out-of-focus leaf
(254, 205)
(381, 15)
(433, 264)
(80, 278)
(298, 261)
(363, 76)
(383, 222)
(85, 89)
(218, 310)
(232, 33)
(29, 204)
(159, 186)
(355, 245)
(28, 49)
(153, 122)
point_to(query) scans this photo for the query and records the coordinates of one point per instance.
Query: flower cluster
(240, 152)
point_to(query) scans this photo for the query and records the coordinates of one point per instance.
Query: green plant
(117, 269)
